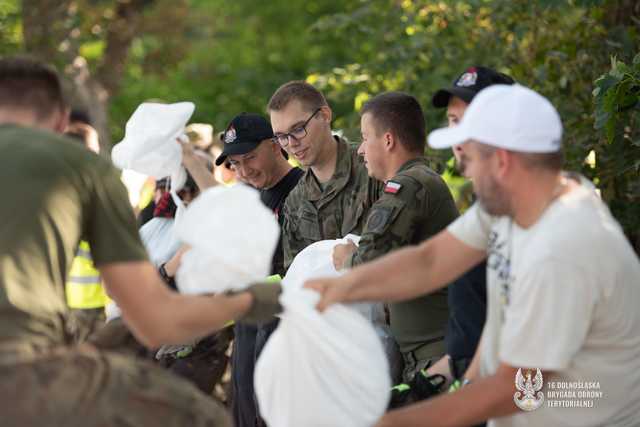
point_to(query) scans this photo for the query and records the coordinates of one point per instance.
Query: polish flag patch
(392, 187)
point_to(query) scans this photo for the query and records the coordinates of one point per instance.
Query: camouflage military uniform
(415, 205)
(85, 387)
(312, 213)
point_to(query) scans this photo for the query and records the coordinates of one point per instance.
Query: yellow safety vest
(84, 286)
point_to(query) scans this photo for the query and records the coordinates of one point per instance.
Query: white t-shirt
(563, 296)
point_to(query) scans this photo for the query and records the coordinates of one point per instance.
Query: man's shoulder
(409, 182)
(420, 172)
(58, 154)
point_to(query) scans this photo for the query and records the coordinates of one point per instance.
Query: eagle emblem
(230, 135)
(528, 397)
(468, 79)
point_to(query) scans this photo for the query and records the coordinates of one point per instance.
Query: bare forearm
(487, 398)
(412, 271)
(193, 317)
(398, 276)
(157, 315)
(201, 175)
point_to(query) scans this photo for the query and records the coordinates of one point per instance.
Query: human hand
(189, 155)
(341, 252)
(171, 266)
(331, 290)
(265, 303)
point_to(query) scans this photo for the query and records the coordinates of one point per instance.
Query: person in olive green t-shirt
(57, 193)
(415, 205)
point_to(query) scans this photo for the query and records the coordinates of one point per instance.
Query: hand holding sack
(321, 369)
(232, 237)
(149, 145)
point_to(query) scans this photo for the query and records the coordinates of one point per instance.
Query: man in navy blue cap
(467, 295)
(464, 88)
(260, 162)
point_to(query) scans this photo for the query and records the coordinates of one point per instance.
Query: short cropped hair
(402, 115)
(310, 97)
(28, 84)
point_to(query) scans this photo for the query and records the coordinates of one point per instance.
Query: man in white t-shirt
(561, 345)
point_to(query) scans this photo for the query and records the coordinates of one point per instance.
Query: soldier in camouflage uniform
(334, 196)
(60, 194)
(415, 205)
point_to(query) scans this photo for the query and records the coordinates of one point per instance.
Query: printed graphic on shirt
(500, 262)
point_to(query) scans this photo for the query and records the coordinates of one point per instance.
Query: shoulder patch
(378, 219)
(392, 187)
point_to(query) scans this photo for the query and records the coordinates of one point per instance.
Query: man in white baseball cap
(560, 344)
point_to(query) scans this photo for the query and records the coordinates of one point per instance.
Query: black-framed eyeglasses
(297, 133)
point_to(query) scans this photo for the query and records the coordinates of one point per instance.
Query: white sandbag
(316, 260)
(232, 236)
(112, 311)
(160, 240)
(161, 243)
(149, 145)
(321, 369)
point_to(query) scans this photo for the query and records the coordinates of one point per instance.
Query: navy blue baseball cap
(245, 132)
(467, 85)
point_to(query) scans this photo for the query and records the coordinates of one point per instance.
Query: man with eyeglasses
(335, 194)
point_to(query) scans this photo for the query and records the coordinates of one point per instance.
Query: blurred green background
(229, 57)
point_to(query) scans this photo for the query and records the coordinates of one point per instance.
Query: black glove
(425, 387)
(265, 303)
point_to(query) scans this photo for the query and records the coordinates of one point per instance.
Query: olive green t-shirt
(55, 193)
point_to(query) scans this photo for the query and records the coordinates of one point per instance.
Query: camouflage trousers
(83, 323)
(82, 386)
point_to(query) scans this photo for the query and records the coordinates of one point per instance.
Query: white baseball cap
(512, 117)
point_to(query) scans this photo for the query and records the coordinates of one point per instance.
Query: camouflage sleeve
(391, 224)
(288, 252)
(376, 190)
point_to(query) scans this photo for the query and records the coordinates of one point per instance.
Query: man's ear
(504, 160)
(61, 121)
(326, 113)
(275, 147)
(390, 141)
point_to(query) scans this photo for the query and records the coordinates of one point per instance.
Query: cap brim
(447, 137)
(234, 149)
(442, 97)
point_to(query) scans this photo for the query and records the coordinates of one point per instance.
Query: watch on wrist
(166, 278)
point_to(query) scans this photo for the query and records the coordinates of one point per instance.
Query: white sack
(159, 239)
(321, 369)
(232, 236)
(316, 260)
(149, 145)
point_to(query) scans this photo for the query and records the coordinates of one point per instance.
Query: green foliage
(229, 57)
(234, 56)
(558, 48)
(10, 27)
(617, 151)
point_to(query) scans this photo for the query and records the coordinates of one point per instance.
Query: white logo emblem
(529, 397)
(467, 79)
(230, 135)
